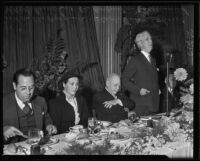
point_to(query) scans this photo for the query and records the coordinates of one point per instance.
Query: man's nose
(28, 91)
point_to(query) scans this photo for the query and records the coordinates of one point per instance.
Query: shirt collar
(20, 103)
(111, 93)
(145, 53)
(67, 96)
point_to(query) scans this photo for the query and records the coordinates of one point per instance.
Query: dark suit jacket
(10, 117)
(62, 112)
(138, 74)
(115, 113)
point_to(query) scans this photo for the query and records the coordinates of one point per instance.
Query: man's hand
(144, 91)
(109, 104)
(10, 131)
(131, 113)
(51, 129)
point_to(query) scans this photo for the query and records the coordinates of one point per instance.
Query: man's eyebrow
(26, 86)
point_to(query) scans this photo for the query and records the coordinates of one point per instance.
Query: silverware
(25, 136)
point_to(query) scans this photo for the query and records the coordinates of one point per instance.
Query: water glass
(34, 136)
(91, 122)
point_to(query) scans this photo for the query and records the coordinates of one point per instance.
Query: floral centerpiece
(187, 99)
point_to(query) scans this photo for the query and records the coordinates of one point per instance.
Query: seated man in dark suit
(173, 94)
(22, 110)
(110, 104)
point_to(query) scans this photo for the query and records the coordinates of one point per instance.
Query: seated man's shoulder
(39, 99)
(8, 96)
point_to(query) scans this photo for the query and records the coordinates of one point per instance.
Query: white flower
(180, 74)
(188, 98)
(189, 116)
(191, 88)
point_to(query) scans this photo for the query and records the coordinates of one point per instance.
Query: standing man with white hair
(140, 76)
(110, 104)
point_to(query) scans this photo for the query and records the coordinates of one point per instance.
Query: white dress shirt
(74, 104)
(147, 55)
(20, 103)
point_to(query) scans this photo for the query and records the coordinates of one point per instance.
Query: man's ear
(14, 86)
(107, 83)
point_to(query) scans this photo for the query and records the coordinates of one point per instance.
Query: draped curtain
(27, 29)
(108, 20)
(25, 33)
(174, 33)
(188, 21)
(80, 34)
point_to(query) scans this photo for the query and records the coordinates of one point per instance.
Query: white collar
(20, 103)
(74, 104)
(145, 53)
(111, 93)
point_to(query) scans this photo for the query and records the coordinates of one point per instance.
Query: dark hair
(24, 72)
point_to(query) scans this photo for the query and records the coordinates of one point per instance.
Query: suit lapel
(38, 115)
(14, 113)
(145, 61)
(151, 65)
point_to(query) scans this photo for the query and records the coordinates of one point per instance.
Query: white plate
(106, 123)
(52, 141)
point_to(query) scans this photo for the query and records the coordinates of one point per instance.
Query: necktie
(27, 109)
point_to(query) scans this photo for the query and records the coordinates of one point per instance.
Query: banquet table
(170, 149)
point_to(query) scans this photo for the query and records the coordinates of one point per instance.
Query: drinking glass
(34, 136)
(91, 122)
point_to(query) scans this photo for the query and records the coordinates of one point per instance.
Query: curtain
(82, 45)
(174, 33)
(188, 21)
(108, 20)
(25, 33)
(27, 29)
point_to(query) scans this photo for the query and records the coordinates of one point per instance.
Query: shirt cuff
(119, 102)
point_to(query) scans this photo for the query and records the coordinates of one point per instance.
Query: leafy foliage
(54, 66)
(82, 149)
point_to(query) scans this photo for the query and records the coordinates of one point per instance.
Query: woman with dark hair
(69, 108)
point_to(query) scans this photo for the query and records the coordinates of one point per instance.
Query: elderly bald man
(110, 104)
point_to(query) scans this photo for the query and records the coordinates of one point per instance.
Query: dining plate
(106, 123)
(52, 141)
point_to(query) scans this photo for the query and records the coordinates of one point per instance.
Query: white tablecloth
(171, 149)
